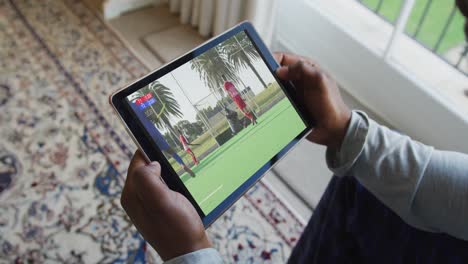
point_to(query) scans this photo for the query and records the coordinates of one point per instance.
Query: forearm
(442, 198)
(389, 165)
(402, 174)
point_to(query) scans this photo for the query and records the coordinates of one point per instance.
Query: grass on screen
(226, 168)
(206, 141)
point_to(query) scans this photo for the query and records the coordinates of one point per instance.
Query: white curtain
(212, 17)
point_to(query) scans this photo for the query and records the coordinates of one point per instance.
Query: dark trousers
(350, 225)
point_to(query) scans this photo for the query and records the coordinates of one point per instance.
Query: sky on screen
(195, 89)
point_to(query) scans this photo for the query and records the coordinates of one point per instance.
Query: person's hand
(318, 94)
(166, 219)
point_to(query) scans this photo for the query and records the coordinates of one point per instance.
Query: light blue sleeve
(427, 188)
(202, 256)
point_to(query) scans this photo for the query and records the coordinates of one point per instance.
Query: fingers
(298, 71)
(295, 67)
(128, 199)
(149, 187)
(138, 160)
(285, 59)
(278, 56)
(143, 184)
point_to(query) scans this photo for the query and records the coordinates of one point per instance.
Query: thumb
(148, 185)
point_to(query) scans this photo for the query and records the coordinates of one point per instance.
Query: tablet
(216, 118)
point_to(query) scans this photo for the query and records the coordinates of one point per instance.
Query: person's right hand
(318, 94)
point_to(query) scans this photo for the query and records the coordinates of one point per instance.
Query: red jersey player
(236, 97)
(185, 143)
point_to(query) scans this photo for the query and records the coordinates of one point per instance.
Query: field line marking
(211, 194)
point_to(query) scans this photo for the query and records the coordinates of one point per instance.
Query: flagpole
(210, 129)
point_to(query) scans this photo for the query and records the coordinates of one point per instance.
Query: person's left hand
(166, 219)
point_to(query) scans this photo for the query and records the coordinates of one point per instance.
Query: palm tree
(165, 107)
(241, 52)
(211, 66)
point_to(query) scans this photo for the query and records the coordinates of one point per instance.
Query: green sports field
(226, 168)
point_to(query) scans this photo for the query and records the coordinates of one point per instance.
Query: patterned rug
(64, 154)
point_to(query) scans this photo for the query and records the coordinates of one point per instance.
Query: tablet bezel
(152, 152)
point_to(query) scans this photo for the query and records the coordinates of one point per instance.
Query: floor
(63, 152)
(157, 37)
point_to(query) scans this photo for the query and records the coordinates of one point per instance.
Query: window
(436, 24)
(403, 59)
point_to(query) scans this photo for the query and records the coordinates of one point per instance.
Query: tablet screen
(218, 118)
